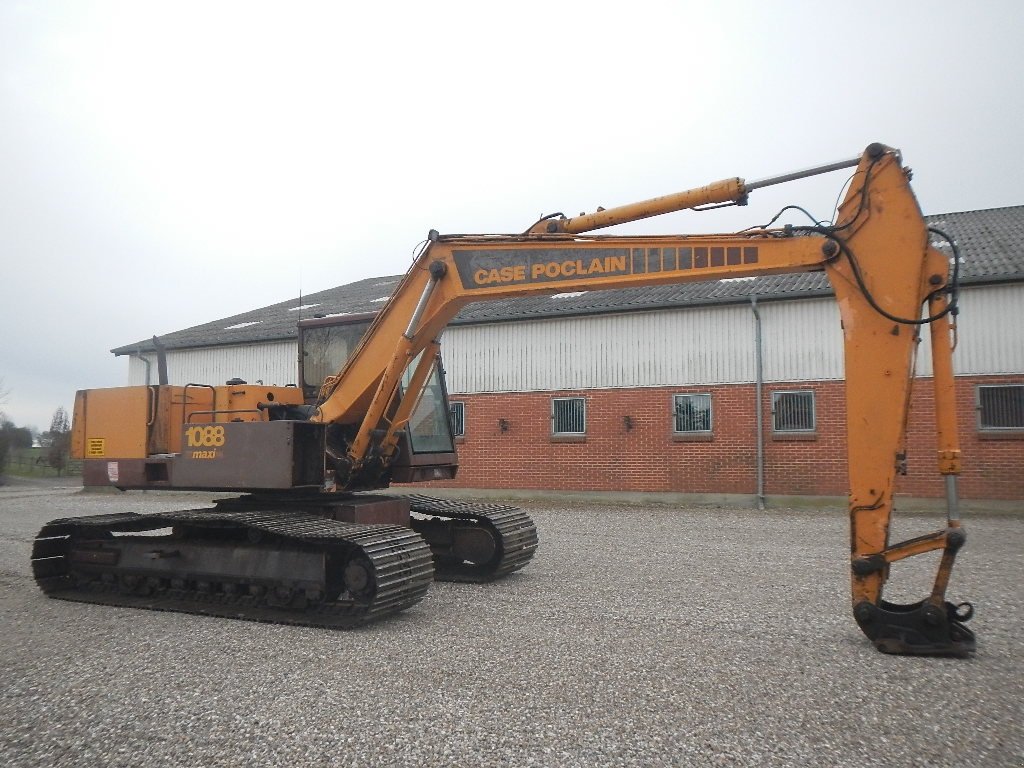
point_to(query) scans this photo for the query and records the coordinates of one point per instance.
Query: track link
(514, 534)
(90, 559)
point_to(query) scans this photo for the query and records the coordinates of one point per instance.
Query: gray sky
(169, 164)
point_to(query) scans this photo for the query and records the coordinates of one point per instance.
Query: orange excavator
(312, 541)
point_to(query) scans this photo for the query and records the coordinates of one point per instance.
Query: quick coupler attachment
(922, 629)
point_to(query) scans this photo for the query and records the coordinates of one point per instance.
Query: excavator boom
(888, 280)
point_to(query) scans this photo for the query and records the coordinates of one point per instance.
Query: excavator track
(508, 535)
(271, 566)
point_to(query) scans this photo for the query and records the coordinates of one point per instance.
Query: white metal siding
(695, 346)
(801, 340)
(271, 363)
(990, 333)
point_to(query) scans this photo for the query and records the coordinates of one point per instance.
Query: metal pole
(145, 362)
(815, 171)
(758, 407)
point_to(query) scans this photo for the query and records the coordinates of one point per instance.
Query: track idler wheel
(922, 629)
(359, 579)
(459, 540)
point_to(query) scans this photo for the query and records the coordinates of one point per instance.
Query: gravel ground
(639, 636)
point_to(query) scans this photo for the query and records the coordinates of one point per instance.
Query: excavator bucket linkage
(922, 629)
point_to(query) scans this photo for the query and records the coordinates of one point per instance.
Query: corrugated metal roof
(991, 242)
(278, 321)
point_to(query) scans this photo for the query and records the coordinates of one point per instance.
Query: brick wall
(645, 455)
(993, 464)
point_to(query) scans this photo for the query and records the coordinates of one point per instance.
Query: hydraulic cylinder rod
(720, 192)
(793, 176)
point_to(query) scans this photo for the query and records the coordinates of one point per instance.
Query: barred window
(692, 413)
(457, 413)
(568, 416)
(1001, 406)
(793, 411)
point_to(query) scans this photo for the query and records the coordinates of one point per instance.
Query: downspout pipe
(145, 362)
(758, 407)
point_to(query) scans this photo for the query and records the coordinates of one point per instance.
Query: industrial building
(654, 390)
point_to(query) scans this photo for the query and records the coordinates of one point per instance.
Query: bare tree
(5, 441)
(60, 440)
(5, 449)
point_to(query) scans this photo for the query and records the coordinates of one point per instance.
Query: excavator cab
(325, 344)
(427, 445)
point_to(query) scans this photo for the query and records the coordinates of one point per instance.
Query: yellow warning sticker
(97, 446)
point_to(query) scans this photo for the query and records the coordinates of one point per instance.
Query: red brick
(646, 458)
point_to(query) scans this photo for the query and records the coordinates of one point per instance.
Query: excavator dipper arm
(888, 281)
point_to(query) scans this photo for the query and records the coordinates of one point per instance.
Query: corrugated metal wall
(802, 341)
(704, 345)
(621, 350)
(272, 363)
(990, 332)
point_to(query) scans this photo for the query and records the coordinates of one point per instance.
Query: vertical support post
(758, 394)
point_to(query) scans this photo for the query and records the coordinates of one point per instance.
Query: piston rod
(794, 175)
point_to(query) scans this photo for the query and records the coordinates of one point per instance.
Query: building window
(568, 416)
(1001, 406)
(457, 413)
(793, 411)
(692, 413)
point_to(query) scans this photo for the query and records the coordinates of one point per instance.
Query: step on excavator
(311, 540)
